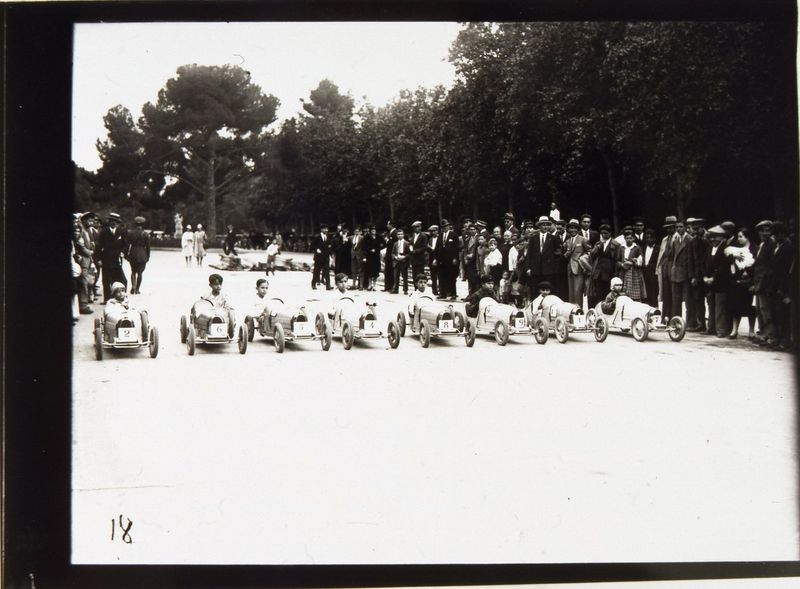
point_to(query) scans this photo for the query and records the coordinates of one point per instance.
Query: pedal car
(562, 317)
(430, 318)
(124, 329)
(503, 321)
(352, 321)
(209, 325)
(638, 318)
(284, 323)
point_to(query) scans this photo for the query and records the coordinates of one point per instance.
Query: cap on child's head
(486, 278)
(117, 286)
(215, 278)
(616, 281)
(544, 285)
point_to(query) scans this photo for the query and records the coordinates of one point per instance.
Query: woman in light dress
(199, 244)
(187, 245)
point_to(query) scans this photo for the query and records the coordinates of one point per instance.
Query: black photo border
(37, 188)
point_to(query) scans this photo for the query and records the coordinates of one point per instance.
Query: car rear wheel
(98, 342)
(501, 333)
(184, 329)
(424, 333)
(278, 338)
(347, 335)
(640, 329)
(244, 337)
(152, 342)
(393, 335)
(541, 331)
(401, 324)
(327, 336)
(676, 329)
(470, 333)
(319, 321)
(562, 330)
(251, 328)
(601, 329)
(190, 340)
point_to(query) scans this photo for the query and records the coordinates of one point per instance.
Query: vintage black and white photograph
(434, 292)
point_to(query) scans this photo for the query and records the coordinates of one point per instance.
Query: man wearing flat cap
(508, 222)
(430, 252)
(447, 257)
(762, 274)
(540, 261)
(717, 280)
(419, 249)
(112, 245)
(575, 246)
(662, 267)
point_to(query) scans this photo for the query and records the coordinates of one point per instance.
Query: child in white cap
(610, 302)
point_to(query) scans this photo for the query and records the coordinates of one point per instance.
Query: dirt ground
(581, 452)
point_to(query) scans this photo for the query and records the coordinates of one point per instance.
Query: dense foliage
(617, 119)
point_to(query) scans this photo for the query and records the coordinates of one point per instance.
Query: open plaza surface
(581, 452)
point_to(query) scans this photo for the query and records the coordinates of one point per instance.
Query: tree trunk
(474, 208)
(369, 212)
(612, 188)
(511, 201)
(211, 199)
(679, 197)
(311, 222)
(439, 208)
(391, 208)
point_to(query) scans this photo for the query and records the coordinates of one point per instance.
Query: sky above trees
(127, 63)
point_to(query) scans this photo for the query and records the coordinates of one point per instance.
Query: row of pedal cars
(350, 320)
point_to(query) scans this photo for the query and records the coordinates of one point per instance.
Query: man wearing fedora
(603, 257)
(447, 257)
(431, 253)
(662, 267)
(698, 248)
(540, 261)
(678, 262)
(111, 246)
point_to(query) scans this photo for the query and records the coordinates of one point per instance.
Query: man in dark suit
(586, 230)
(357, 256)
(433, 244)
(111, 244)
(604, 256)
(342, 252)
(783, 287)
(649, 260)
(698, 249)
(662, 267)
(678, 262)
(638, 231)
(544, 249)
(401, 252)
(419, 249)
(470, 254)
(322, 246)
(717, 281)
(388, 262)
(762, 274)
(447, 254)
(575, 246)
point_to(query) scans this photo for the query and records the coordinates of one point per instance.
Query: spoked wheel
(676, 329)
(278, 338)
(347, 335)
(184, 329)
(393, 335)
(251, 328)
(145, 325)
(501, 333)
(244, 337)
(601, 329)
(458, 321)
(319, 321)
(152, 344)
(424, 333)
(191, 345)
(401, 323)
(98, 340)
(562, 330)
(640, 329)
(327, 336)
(541, 331)
(469, 336)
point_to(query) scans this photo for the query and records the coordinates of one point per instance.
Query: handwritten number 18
(126, 536)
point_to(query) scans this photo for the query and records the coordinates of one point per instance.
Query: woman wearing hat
(138, 253)
(187, 245)
(740, 297)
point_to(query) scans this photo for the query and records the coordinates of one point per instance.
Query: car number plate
(519, 322)
(217, 330)
(579, 321)
(302, 328)
(126, 334)
(446, 325)
(370, 325)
